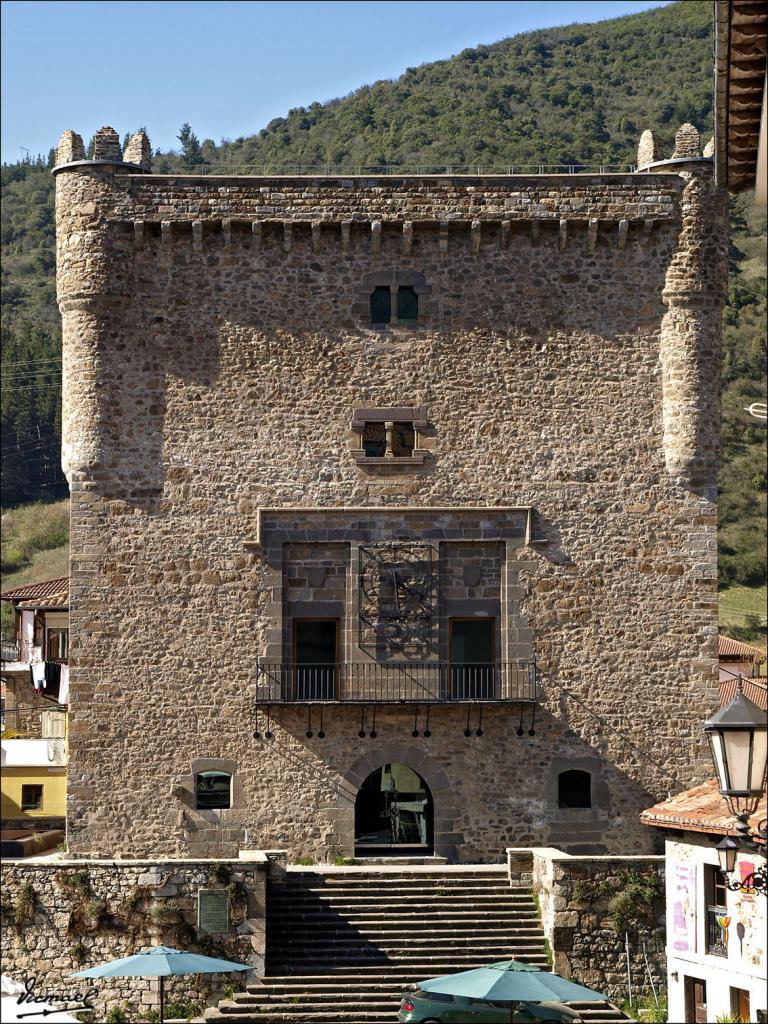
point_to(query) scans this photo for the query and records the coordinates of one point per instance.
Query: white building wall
(42, 753)
(745, 965)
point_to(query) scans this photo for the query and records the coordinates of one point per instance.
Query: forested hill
(579, 94)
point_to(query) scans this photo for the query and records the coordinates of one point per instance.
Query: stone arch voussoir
(446, 839)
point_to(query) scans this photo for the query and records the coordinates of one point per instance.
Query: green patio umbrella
(161, 962)
(510, 981)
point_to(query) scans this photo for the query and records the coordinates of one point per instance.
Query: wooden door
(472, 648)
(741, 1003)
(695, 1001)
(316, 654)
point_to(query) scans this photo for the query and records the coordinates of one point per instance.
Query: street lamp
(738, 739)
(726, 854)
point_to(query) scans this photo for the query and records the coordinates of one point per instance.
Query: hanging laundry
(37, 674)
(52, 677)
(64, 685)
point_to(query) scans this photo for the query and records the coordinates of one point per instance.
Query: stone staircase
(343, 944)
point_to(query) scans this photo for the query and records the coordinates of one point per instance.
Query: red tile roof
(728, 648)
(753, 689)
(49, 593)
(700, 809)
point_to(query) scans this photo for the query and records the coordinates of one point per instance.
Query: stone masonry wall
(216, 344)
(65, 916)
(591, 935)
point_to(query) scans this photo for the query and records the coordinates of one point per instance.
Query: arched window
(213, 791)
(574, 789)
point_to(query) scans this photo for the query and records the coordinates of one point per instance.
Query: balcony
(715, 931)
(15, 651)
(394, 682)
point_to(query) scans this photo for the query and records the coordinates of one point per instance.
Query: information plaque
(213, 910)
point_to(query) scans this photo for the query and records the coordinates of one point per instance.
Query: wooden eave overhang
(741, 48)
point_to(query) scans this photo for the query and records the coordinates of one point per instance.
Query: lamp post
(738, 739)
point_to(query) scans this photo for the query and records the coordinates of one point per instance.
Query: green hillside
(580, 94)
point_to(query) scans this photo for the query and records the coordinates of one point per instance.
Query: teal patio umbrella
(161, 962)
(510, 981)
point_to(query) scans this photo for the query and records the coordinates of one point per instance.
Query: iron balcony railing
(716, 931)
(396, 682)
(13, 649)
(397, 170)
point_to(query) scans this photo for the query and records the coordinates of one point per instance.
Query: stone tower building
(393, 521)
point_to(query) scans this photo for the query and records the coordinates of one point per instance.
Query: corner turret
(94, 282)
(694, 293)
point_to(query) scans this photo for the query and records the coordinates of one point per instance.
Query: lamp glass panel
(716, 745)
(737, 750)
(726, 855)
(759, 758)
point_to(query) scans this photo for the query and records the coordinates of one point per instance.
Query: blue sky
(229, 67)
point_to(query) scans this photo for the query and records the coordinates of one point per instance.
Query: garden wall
(599, 914)
(64, 916)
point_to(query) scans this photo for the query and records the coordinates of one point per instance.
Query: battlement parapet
(687, 150)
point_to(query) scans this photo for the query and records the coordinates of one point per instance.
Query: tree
(191, 153)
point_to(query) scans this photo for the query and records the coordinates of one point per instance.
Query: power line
(41, 371)
(26, 362)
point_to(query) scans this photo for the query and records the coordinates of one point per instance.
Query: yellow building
(33, 785)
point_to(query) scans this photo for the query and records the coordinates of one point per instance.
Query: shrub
(637, 900)
(74, 884)
(79, 953)
(221, 873)
(117, 1015)
(161, 910)
(341, 861)
(24, 906)
(238, 893)
(183, 1010)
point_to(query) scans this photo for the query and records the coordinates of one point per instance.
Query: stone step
(392, 906)
(356, 1014)
(343, 944)
(384, 932)
(395, 870)
(406, 884)
(414, 943)
(414, 968)
(410, 895)
(409, 913)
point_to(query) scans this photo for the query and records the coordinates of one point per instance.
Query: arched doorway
(394, 814)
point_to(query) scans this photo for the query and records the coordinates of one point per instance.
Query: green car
(419, 1007)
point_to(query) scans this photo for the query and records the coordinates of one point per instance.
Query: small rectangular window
(58, 645)
(407, 306)
(31, 798)
(213, 791)
(403, 440)
(375, 440)
(381, 306)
